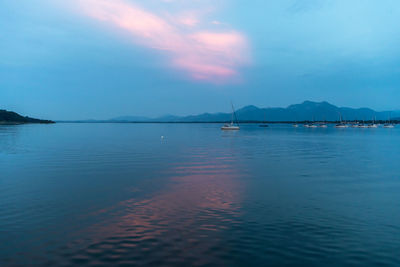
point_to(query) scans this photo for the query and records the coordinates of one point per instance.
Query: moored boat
(341, 124)
(231, 126)
(388, 125)
(373, 124)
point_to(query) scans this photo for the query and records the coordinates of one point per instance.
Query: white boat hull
(230, 128)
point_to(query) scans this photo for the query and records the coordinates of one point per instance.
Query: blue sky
(99, 59)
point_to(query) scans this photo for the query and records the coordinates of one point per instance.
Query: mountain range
(306, 111)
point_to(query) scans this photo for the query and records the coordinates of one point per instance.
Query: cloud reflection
(183, 220)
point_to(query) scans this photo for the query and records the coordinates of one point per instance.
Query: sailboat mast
(234, 114)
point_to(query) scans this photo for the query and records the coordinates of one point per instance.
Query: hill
(9, 117)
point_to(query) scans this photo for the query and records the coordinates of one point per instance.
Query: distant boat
(341, 124)
(388, 124)
(322, 124)
(310, 125)
(264, 124)
(232, 126)
(373, 124)
(362, 125)
(295, 124)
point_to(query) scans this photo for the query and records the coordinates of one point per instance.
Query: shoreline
(240, 122)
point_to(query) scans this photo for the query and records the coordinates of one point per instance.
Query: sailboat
(264, 124)
(322, 124)
(311, 125)
(388, 124)
(355, 124)
(373, 124)
(232, 125)
(362, 125)
(341, 124)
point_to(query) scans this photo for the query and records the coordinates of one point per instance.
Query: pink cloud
(213, 56)
(189, 20)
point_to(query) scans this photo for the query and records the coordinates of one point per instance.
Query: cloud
(210, 55)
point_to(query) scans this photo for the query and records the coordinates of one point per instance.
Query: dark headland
(9, 117)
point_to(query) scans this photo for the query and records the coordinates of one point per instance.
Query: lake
(190, 194)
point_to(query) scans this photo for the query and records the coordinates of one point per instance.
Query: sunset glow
(211, 55)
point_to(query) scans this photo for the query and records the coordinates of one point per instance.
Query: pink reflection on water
(202, 200)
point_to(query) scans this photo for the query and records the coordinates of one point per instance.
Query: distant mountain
(306, 111)
(143, 119)
(130, 118)
(9, 117)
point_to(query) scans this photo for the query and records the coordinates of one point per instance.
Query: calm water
(108, 194)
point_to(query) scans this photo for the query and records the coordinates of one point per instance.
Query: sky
(99, 59)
